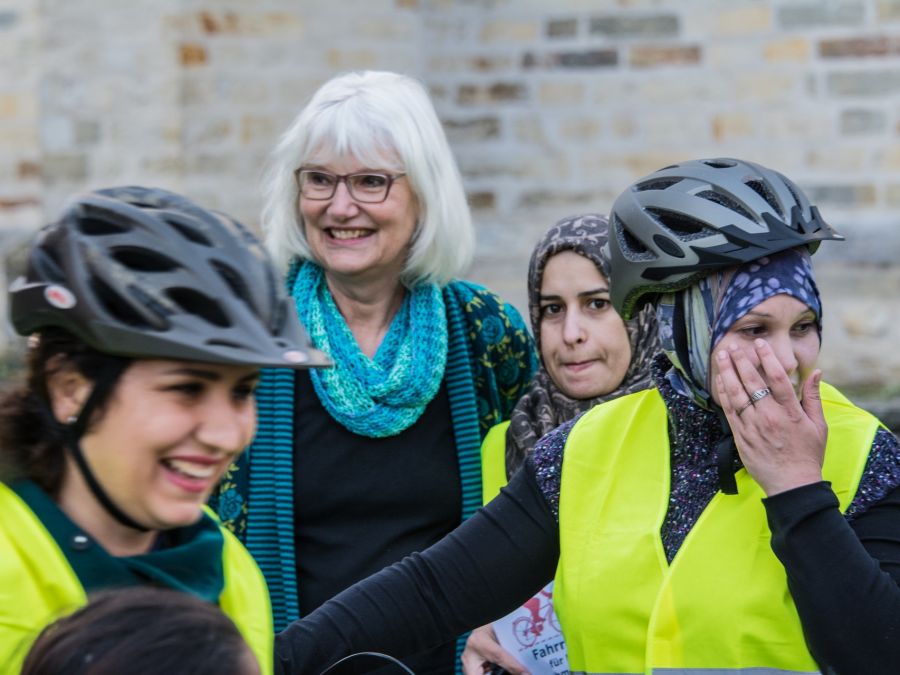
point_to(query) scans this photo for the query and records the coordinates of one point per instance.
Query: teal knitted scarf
(383, 395)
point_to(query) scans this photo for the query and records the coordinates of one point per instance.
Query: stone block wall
(20, 181)
(552, 109)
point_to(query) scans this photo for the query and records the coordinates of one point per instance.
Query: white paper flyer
(532, 634)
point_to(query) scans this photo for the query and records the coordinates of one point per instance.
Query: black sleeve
(844, 577)
(481, 571)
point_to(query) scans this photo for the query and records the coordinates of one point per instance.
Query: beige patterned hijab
(544, 406)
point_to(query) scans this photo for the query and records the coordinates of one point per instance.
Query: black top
(362, 503)
(843, 576)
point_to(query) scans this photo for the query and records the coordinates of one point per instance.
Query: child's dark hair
(31, 439)
(141, 630)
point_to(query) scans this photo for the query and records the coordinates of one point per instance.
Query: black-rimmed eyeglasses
(367, 187)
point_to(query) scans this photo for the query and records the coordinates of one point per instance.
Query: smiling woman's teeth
(190, 469)
(348, 234)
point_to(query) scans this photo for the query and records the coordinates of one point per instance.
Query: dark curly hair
(31, 439)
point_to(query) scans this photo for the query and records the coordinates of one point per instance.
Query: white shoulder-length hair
(383, 120)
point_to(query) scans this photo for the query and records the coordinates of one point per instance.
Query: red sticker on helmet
(59, 297)
(295, 356)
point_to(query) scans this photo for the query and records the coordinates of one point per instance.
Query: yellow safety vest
(493, 461)
(723, 605)
(38, 586)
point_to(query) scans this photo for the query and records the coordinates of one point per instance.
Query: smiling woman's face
(358, 241)
(584, 342)
(788, 325)
(165, 438)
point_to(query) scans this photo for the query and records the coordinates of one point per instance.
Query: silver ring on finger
(759, 394)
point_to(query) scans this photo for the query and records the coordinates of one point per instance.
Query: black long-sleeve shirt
(844, 578)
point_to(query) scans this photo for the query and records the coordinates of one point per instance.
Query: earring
(71, 419)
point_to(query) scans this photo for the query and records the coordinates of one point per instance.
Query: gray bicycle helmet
(687, 220)
(144, 273)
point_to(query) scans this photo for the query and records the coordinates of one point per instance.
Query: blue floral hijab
(693, 320)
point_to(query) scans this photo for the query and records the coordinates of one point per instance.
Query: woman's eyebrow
(209, 375)
(595, 291)
(757, 314)
(580, 294)
(766, 315)
(190, 371)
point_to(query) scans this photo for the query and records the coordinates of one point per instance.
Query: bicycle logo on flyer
(533, 635)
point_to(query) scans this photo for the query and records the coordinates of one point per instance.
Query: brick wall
(552, 108)
(20, 184)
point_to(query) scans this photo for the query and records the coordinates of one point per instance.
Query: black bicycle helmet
(144, 273)
(687, 220)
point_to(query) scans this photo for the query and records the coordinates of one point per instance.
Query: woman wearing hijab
(740, 516)
(588, 355)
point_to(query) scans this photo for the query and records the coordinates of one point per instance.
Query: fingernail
(759, 342)
(721, 355)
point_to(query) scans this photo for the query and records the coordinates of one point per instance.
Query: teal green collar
(187, 559)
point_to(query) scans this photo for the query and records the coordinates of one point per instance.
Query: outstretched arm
(482, 570)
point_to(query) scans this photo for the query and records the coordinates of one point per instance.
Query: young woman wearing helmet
(674, 553)
(149, 318)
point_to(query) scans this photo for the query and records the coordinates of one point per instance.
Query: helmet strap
(680, 339)
(74, 430)
(726, 451)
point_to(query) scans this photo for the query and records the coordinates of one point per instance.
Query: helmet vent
(684, 227)
(199, 304)
(279, 316)
(632, 247)
(233, 280)
(726, 201)
(659, 184)
(668, 246)
(216, 342)
(95, 227)
(793, 192)
(720, 164)
(763, 191)
(46, 265)
(117, 306)
(189, 233)
(143, 259)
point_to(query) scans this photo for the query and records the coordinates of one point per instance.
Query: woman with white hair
(361, 464)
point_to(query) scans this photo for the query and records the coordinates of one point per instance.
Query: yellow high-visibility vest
(493, 461)
(723, 604)
(38, 586)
